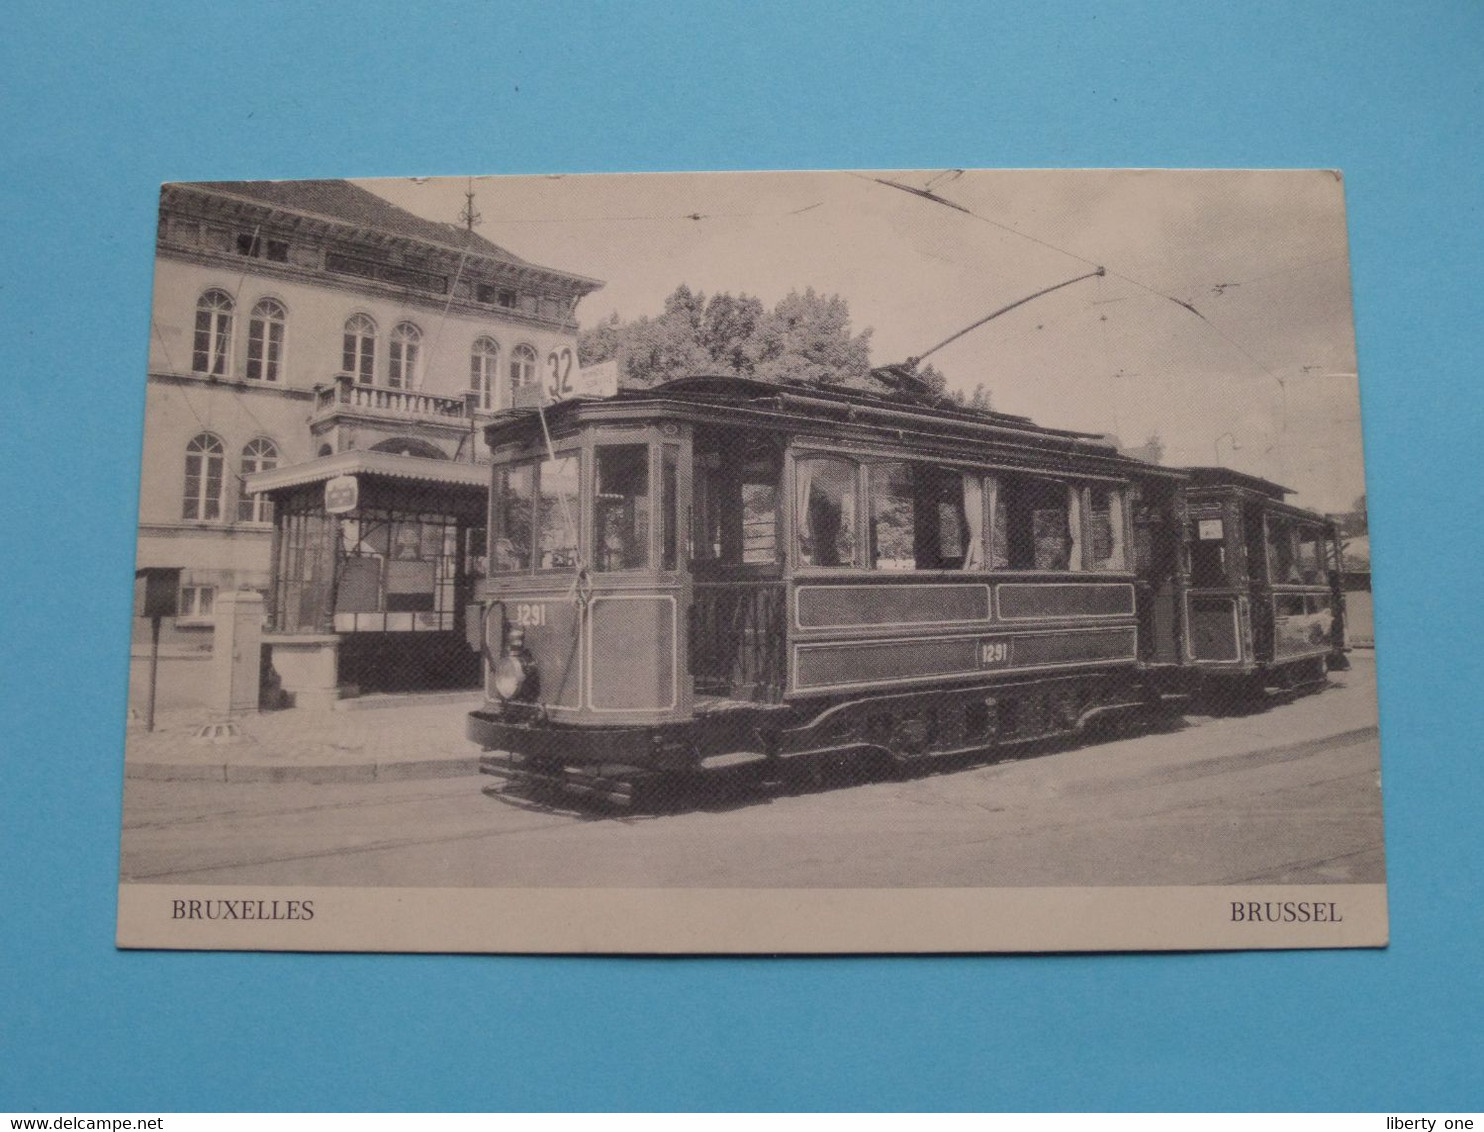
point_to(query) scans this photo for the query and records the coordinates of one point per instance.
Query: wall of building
(231, 551)
(317, 309)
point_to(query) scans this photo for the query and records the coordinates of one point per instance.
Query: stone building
(310, 330)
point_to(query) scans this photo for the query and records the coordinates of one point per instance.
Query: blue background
(100, 105)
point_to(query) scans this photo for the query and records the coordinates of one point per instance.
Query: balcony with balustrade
(359, 415)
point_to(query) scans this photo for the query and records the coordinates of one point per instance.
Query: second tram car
(717, 571)
(1263, 596)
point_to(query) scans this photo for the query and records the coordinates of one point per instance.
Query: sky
(1260, 376)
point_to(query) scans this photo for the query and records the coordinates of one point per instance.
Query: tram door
(738, 594)
(1157, 561)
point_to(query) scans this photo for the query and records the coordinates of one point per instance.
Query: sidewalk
(392, 738)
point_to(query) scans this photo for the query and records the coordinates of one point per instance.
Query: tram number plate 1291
(530, 614)
(994, 654)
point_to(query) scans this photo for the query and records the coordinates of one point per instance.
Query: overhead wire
(929, 195)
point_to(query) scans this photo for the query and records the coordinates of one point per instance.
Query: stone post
(236, 649)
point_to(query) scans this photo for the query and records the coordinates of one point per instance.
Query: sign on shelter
(342, 494)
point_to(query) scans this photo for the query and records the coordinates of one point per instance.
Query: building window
(195, 604)
(212, 349)
(203, 478)
(251, 244)
(260, 455)
(484, 368)
(406, 341)
(522, 366)
(265, 341)
(358, 355)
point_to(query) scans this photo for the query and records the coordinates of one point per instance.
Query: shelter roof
(385, 465)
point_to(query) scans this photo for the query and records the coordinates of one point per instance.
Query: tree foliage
(1354, 522)
(806, 337)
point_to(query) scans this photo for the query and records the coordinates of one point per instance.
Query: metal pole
(154, 668)
(912, 362)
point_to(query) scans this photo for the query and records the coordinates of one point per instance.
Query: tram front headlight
(509, 676)
(512, 674)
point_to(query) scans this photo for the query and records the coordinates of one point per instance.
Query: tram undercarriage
(629, 766)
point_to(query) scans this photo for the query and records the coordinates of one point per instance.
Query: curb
(320, 773)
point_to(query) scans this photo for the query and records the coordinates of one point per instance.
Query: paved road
(1286, 795)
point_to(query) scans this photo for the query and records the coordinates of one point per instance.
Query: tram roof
(730, 399)
(1228, 477)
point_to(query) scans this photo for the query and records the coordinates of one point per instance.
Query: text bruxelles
(242, 910)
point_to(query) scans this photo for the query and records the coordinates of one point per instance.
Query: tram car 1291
(718, 571)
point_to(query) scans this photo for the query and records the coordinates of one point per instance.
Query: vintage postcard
(910, 561)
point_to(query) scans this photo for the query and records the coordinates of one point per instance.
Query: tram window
(510, 518)
(1107, 550)
(1208, 558)
(669, 506)
(825, 509)
(557, 546)
(1283, 566)
(893, 517)
(621, 507)
(1310, 556)
(1035, 525)
(736, 503)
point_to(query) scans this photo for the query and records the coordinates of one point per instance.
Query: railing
(737, 639)
(347, 393)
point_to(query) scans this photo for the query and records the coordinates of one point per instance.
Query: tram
(719, 571)
(1264, 598)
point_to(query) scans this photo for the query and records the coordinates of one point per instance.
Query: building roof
(348, 202)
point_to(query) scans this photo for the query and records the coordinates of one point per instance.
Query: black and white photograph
(805, 562)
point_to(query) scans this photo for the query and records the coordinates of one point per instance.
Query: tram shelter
(374, 557)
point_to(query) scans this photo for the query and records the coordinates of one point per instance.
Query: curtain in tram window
(999, 543)
(974, 520)
(1074, 523)
(803, 484)
(1119, 558)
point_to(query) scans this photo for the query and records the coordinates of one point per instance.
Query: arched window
(359, 353)
(406, 341)
(522, 366)
(259, 455)
(265, 341)
(203, 477)
(484, 368)
(212, 350)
